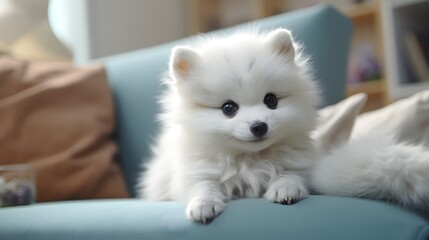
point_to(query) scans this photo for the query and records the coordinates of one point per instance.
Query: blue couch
(134, 82)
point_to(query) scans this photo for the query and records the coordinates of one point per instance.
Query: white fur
(376, 167)
(204, 158)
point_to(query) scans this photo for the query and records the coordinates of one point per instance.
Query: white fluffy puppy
(237, 120)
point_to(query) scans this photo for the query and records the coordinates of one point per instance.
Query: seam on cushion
(423, 234)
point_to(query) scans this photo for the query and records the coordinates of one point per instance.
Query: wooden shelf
(367, 30)
(360, 10)
(399, 17)
(370, 88)
(375, 90)
(208, 15)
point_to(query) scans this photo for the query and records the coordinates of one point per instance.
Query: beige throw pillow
(336, 122)
(408, 119)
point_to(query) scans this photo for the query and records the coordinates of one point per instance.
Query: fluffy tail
(378, 168)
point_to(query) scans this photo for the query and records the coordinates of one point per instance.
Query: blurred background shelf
(370, 87)
(366, 71)
(208, 15)
(380, 60)
(400, 19)
(376, 91)
(360, 10)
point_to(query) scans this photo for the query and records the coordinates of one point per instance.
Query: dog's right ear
(182, 63)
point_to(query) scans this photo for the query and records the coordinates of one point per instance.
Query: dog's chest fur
(248, 175)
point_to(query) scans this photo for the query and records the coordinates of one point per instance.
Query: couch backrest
(134, 77)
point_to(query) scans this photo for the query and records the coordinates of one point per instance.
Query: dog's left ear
(280, 40)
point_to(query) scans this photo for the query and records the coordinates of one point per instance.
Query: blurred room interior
(388, 56)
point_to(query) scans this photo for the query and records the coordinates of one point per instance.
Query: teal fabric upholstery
(317, 217)
(134, 82)
(134, 77)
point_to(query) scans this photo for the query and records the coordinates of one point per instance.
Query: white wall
(93, 29)
(120, 26)
(97, 28)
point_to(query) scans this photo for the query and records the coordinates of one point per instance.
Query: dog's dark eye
(229, 108)
(271, 101)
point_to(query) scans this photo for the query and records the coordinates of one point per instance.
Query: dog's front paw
(202, 209)
(286, 192)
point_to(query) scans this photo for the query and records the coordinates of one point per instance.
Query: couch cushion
(60, 119)
(317, 217)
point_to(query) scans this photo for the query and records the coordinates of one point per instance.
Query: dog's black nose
(259, 129)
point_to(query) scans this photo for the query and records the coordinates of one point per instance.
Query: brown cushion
(60, 119)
